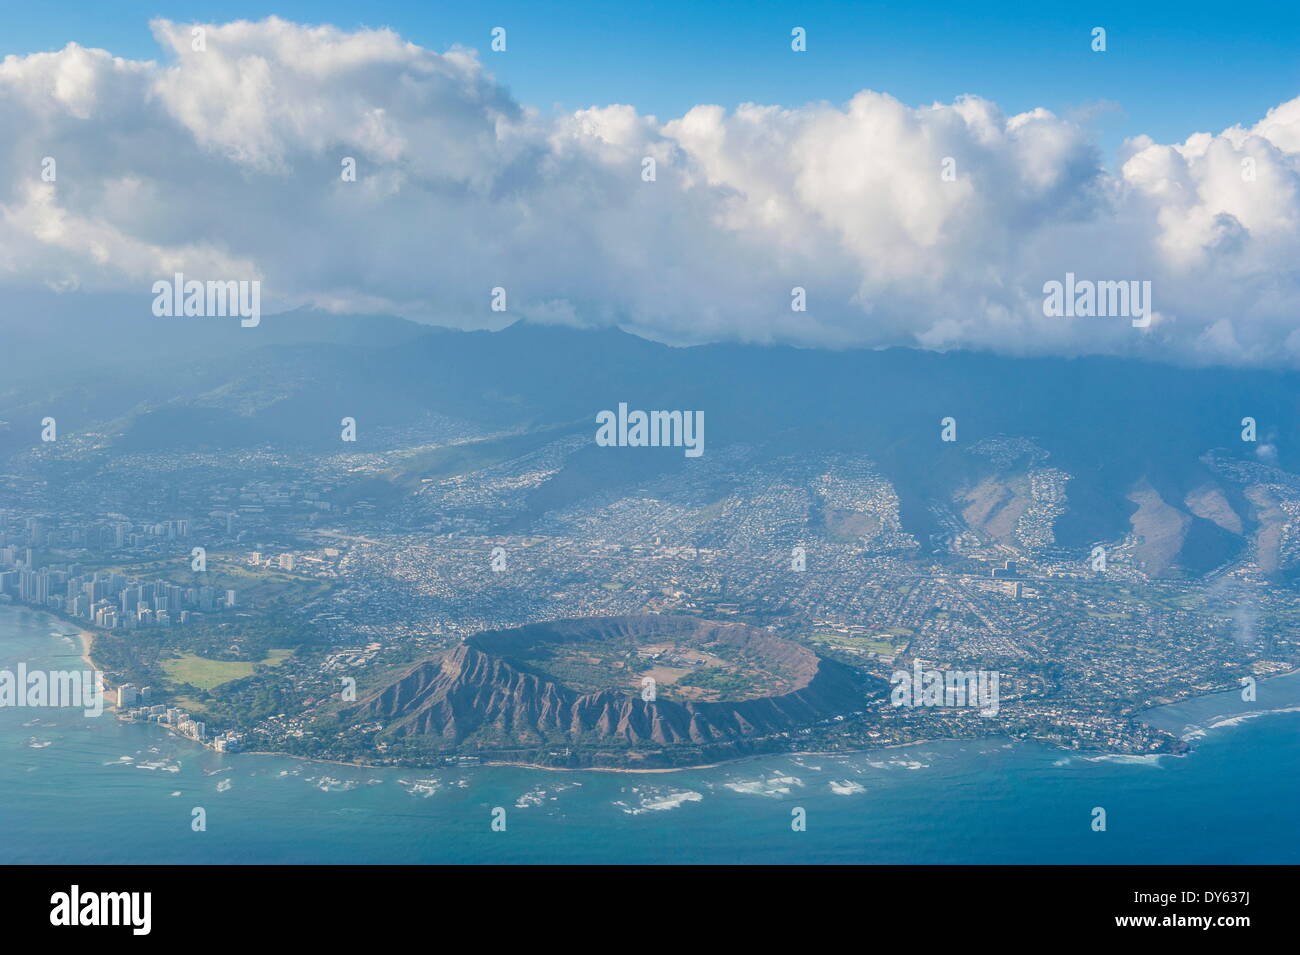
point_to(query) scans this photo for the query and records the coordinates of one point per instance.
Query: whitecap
(773, 786)
(657, 799)
(1145, 759)
(846, 787)
(421, 787)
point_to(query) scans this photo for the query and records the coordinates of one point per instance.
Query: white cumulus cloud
(224, 162)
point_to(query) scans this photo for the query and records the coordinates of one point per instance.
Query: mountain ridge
(478, 690)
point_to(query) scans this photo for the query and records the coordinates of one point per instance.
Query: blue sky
(1171, 68)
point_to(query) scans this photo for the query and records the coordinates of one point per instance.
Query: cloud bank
(934, 226)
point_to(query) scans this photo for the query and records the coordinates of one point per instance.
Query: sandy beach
(87, 645)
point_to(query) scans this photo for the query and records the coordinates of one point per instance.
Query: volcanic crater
(584, 681)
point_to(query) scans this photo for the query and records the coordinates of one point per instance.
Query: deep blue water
(103, 791)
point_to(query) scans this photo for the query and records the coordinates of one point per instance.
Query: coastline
(87, 640)
(1213, 723)
(84, 636)
(87, 645)
(1178, 701)
(485, 765)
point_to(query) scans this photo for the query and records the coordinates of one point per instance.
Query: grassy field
(207, 674)
(682, 670)
(870, 644)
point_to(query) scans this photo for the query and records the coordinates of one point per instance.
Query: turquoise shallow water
(79, 790)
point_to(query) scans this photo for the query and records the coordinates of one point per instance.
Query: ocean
(80, 790)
